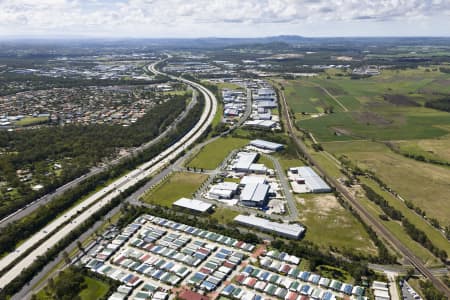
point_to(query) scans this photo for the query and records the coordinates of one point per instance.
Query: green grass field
(370, 115)
(435, 149)
(308, 98)
(397, 124)
(176, 186)
(425, 185)
(95, 289)
(330, 225)
(214, 153)
(432, 233)
(29, 121)
(397, 230)
(224, 215)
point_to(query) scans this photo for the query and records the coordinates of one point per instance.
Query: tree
(66, 257)
(80, 246)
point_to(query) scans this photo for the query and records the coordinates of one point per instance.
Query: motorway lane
(19, 214)
(104, 196)
(378, 227)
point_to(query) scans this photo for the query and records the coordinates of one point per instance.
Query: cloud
(130, 15)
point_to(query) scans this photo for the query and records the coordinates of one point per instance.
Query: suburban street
(57, 229)
(19, 214)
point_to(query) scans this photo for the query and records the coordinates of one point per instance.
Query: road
(365, 215)
(59, 228)
(292, 207)
(28, 209)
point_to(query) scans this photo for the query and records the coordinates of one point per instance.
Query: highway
(59, 228)
(365, 215)
(29, 208)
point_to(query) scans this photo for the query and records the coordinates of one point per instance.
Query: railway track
(366, 216)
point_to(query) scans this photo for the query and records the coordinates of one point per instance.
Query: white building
(305, 180)
(255, 194)
(293, 231)
(244, 163)
(193, 205)
(223, 190)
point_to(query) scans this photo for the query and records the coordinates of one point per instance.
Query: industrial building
(305, 180)
(255, 194)
(261, 124)
(292, 231)
(244, 163)
(193, 205)
(266, 145)
(252, 179)
(223, 190)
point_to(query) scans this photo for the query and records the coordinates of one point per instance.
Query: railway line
(367, 217)
(40, 242)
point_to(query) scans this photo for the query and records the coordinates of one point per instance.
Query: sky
(223, 18)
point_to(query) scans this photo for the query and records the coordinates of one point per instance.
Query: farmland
(384, 109)
(404, 175)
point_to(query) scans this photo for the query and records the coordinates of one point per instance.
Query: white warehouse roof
(287, 230)
(193, 204)
(244, 160)
(266, 145)
(255, 192)
(312, 180)
(253, 179)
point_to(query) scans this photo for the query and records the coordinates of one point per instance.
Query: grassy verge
(432, 233)
(224, 215)
(95, 289)
(397, 230)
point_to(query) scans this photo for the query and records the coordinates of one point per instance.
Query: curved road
(29, 208)
(416, 262)
(59, 228)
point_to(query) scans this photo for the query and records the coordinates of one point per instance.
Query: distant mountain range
(215, 42)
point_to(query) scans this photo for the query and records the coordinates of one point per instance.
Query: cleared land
(425, 185)
(437, 149)
(214, 153)
(176, 186)
(385, 108)
(330, 225)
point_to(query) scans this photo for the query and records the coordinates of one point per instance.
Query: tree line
(26, 275)
(415, 233)
(76, 147)
(20, 230)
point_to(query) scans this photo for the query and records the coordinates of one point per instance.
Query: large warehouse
(255, 194)
(292, 231)
(266, 145)
(304, 179)
(193, 205)
(244, 163)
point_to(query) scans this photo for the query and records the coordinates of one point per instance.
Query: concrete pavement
(56, 230)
